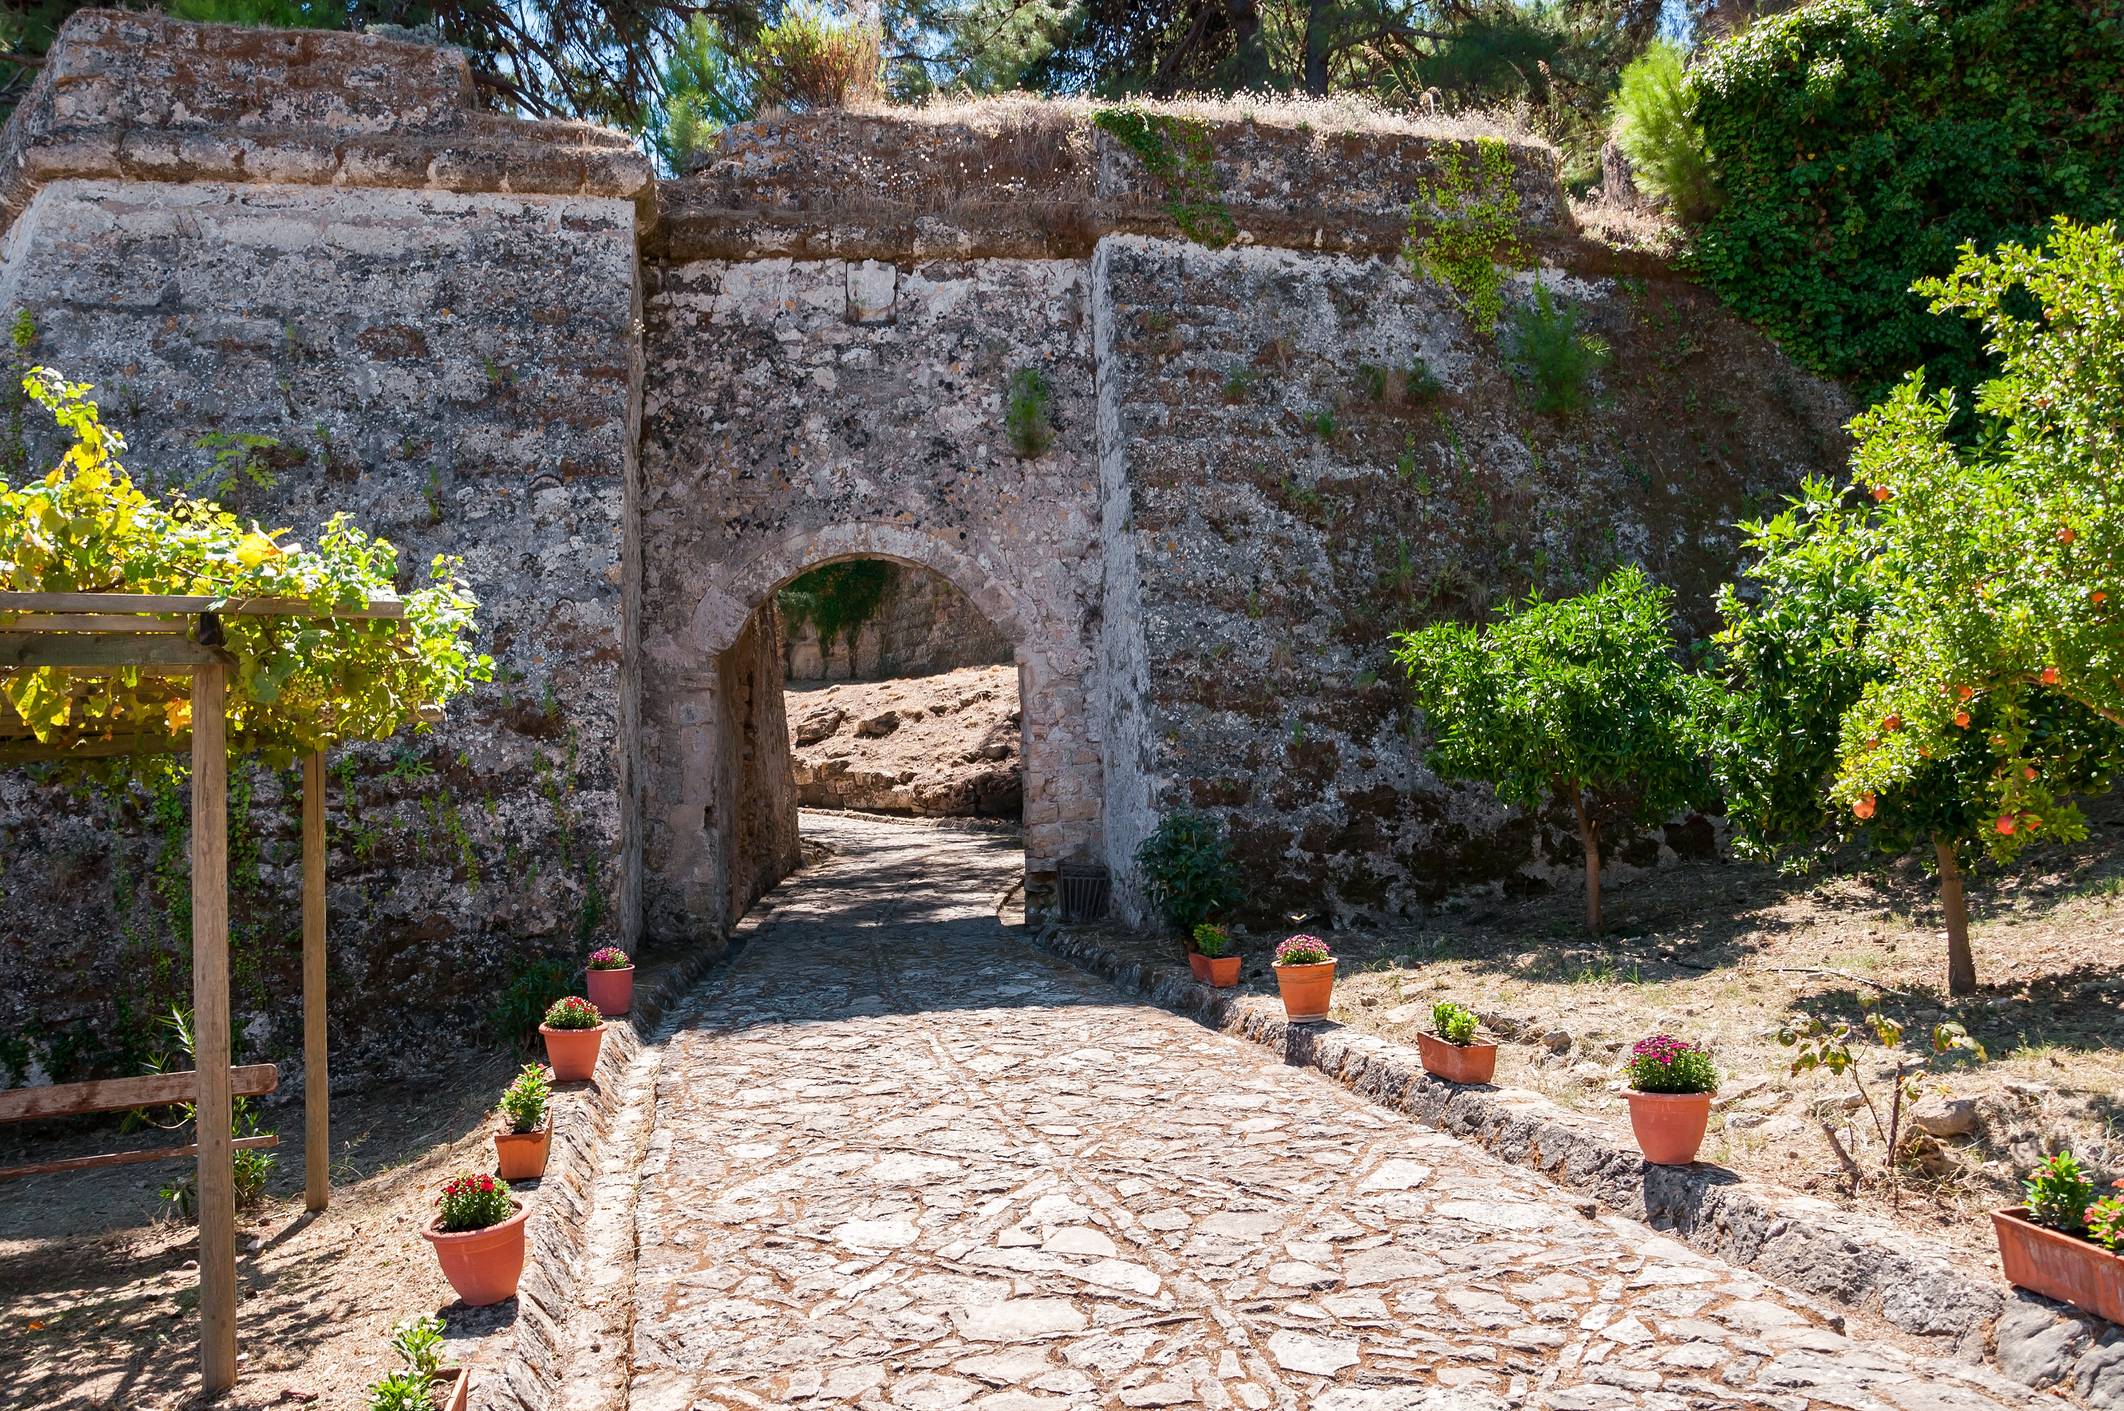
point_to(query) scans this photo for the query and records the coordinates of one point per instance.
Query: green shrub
(1455, 1023)
(419, 1344)
(1860, 142)
(525, 1000)
(1026, 416)
(1580, 700)
(810, 61)
(2058, 1194)
(524, 1101)
(1558, 359)
(1187, 872)
(474, 1203)
(573, 1012)
(1212, 941)
(400, 1391)
(1655, 125)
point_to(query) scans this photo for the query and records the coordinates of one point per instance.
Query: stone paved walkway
(902, 1159)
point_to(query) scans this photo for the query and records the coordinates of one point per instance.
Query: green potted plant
(478, 1235)
(1305, 974)
(2062, 1244)
(1672, 1082)
(525, 1136)
(1214, 956)
(574, 1031)
(423, 1384)
(1450, 1051)
(609, 978)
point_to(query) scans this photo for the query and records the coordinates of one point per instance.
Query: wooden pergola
(96, 634)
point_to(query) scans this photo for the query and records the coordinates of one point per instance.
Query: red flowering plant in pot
(573, 1031)
(525, 1134)
(609, 978)
(1214, 957)
(1450, 1051)
(1672, 1082)
(478, 1235)
(1305, 974)
(2063, 1242)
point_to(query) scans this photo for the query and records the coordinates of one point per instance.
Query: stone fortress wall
(636, 408)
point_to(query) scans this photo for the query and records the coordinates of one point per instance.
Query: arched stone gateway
(810, 411)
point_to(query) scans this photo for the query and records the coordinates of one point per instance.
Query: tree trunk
(1318, 16)
(1961, 964)
(1589, 834)
(1245, 17)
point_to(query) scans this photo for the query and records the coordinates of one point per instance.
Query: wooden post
(210, 1028)
(316, 1077)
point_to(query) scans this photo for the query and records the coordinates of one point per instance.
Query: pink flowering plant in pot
(1672, 1082)
(574, 1031)
(1305, 974)
(609, 977)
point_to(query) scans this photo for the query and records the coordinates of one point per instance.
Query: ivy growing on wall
(1176, 153)
(839, 597)
(1860, 142)
(1470, 235)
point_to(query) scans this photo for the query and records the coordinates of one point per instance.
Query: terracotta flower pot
(1306, 989)
(572, 1053)
(1222, 972)
(2061, 1266)
(482, 1265)
(522, 1155)
(610, 990)
(1669, 1126)
(1457, 1063)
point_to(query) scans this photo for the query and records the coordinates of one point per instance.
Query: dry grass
(1723, 953)
(1336, 114)
(1653, 231)
(103, 1299)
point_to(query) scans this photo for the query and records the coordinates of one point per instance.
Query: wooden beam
(210, 1027)
(94, 622)
(316, 1073)
(24, 751)
(126, 1158)
(28, 650)
(121, 1094)
(191, 603)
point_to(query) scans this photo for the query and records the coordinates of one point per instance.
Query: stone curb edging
(1917, 1285)
(530, 1377)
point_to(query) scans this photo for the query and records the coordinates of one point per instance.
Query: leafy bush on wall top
(1860, 142)
(1656, 126)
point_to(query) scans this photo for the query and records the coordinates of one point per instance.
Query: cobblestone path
(904, 1160)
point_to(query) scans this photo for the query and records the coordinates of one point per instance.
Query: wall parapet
(1030, 179)
(140, 97)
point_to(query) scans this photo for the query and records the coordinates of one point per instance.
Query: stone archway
(724, 829)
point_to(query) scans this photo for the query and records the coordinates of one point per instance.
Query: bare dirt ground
(101, 1306)
(1723, 954)
(943, 746)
